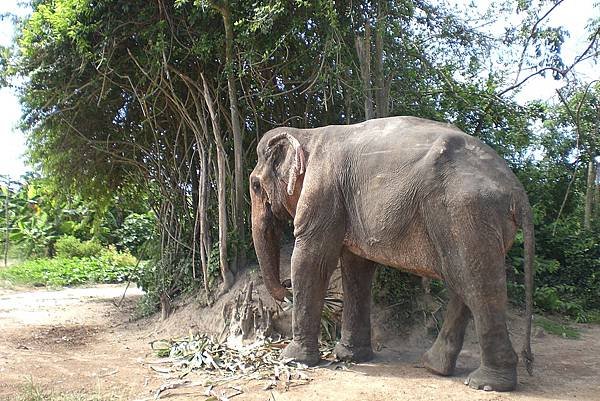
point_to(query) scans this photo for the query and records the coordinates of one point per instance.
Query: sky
(572, 14)
(12, 140)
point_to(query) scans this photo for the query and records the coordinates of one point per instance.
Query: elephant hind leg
(471, 249)
(483, 288)
(441, 357)
(357, 275)
(498, 369)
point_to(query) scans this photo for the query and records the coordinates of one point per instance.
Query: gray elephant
(409, 193)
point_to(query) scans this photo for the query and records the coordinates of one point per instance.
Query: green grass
(109, 267)
(593, 316)
(34, 392)
(552, 327)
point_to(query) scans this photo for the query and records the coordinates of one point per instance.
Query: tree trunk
(363, 50)
(204, 250)
(195, 183)
(589, 196)
(348, 104)
(381, 87)
(596, 208)
(221, 184)
(237, 139)
(6, 226)
(165, 306)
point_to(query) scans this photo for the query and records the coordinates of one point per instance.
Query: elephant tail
(529, 253)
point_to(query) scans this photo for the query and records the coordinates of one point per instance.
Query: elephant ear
(297, 166)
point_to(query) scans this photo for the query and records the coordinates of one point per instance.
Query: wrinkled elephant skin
(409, 193)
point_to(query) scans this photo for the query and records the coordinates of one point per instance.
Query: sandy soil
(77, 340)
(72, 340)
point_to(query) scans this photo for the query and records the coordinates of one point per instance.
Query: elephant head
(275, 185)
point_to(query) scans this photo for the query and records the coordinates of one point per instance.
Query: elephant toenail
(487, 388)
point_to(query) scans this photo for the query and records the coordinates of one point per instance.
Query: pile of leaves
(259, 360)
(245, 350)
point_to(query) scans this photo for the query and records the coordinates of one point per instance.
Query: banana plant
(34, 234)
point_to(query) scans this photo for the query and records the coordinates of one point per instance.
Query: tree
(166, 100)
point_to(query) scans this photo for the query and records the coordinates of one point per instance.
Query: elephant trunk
(266, 236)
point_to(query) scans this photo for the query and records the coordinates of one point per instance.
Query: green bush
(152, 279)
(392, 287)
(137, 229)
(109, 267)
(148, 305)
(70, 247)
(550, 299)
(119, 258)
(567, 276)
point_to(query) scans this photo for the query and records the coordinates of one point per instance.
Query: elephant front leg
(312, 265)
(357, 275)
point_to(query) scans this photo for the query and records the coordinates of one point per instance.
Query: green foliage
(548, 299)
(171, 275)
(567, 254)
(147, 306)
(393, 287)
(71, 247)
(552, 327)
(213, 262)
(214, 271)
(109, 267)
(331, 318)
(33, 234)
(406, 301)
(137, 229)
(43, 221)
(112, 106)
(567, 284)
(593, 316)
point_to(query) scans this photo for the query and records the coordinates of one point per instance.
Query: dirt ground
(78, 341)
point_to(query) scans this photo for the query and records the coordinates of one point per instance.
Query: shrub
(70, 247)
(392, 287)
(111, 256)
(566, 269)
(152, 279)
(109, 267)
(137, 229)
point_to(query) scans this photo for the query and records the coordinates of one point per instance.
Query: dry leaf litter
(235, 358)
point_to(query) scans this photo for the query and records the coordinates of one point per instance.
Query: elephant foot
(436, 362)
(488, 379)
(301, 354)
(353, 354)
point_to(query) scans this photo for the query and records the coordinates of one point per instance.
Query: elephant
(413, 194)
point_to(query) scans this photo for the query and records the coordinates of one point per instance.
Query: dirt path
(78, 341)
(73, 340)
